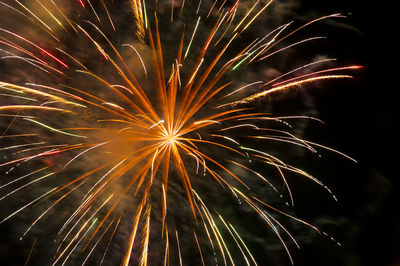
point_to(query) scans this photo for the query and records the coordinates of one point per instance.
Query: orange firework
(134, 115)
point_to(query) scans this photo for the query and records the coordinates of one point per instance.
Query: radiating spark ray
(140, 58)
(58, 91)
(36, 17)
(288, 215)
(27, 205)
(234, 238)
(21, 145)
(70, 243)
(29, 61)
(198, 7)
(27, 184)
(132, 236)
(94, 11)
(198, 247)
(13, 8)
(166, 251)
(146, 235)
(330, 149)
(213, 228)
(303, 26)
(269, 157)
(108, 15)
(51, 15)
(246, 15)
(79, 241)
(54, 129)
(36, 46)
(81, 3)
(258, 13)
(191, 38)
(243, 243)
(297, 69)
(24, 176)
(179, 247)
(97, 242)
(48, 209)
(267, 219)
(31, 107)
(91, 148)
(77, 222)
(30, 252)
(63, 15)
(317, 73)
(17, 97)
(85, 199)
(241, 88)
(290, 85)
(290, 46)
(109, 242)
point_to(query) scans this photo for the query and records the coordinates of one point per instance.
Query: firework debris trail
(122, 125)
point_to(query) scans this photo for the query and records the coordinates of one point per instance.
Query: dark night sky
(360, 120)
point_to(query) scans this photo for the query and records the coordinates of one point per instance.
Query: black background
(361, 120)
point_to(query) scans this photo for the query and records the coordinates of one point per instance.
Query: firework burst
(136, 119)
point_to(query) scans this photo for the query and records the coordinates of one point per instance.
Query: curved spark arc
(149, 134)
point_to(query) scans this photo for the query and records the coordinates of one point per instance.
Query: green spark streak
(54, 129)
